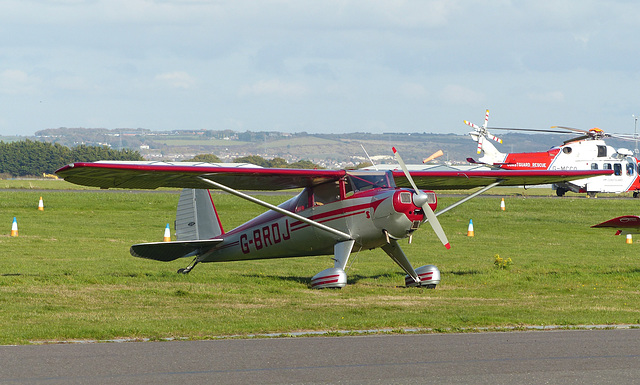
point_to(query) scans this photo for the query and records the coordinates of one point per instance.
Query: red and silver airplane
(336, 213)
(588, 151)
(626, 224)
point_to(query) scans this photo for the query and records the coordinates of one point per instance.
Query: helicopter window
(630, 168)
(602, 151)
(594, 166)
(567, 150)
(617, 169)
(606, 166)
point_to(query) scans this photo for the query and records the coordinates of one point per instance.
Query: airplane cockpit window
(617, 169)
(326, 193)
(303, 200)
(366, 181)
(602, 151)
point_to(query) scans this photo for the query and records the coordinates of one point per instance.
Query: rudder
(196, 216)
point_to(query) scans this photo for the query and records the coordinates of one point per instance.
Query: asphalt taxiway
(532, 357)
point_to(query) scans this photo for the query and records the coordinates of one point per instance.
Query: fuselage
(586, 154)
(370, 216)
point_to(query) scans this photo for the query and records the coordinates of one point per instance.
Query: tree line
(33, 158)
(258, 160)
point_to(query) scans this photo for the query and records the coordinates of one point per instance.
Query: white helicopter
(587, 151)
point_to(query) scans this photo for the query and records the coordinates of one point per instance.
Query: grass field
(69, 275)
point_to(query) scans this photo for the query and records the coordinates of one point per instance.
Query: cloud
(461, 95)
(177, 79)
(547, 97)
(413, 90)
(17, 82)
(273, 87)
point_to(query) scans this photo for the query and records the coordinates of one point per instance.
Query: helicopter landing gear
(636, 194)
(561, 191)
(187, 269)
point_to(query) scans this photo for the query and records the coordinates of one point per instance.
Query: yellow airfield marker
(40, 205)
(14, 228)
(629, 239)
(470, 230)
(502, 206)
(167, 234)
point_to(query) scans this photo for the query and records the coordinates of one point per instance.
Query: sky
(327, 66)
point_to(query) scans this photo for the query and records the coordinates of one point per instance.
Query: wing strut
(342, 236)
(475, 194)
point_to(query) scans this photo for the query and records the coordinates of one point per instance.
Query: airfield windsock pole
(41, 205)
(502, 206)
(14, 228)
(470, 231)
(167, 234)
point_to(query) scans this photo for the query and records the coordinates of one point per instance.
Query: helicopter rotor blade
(572, 129)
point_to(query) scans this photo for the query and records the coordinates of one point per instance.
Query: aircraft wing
(623, 222)
(454, 180)
(151, 175)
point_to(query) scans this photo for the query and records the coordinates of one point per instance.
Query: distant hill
(328, 150)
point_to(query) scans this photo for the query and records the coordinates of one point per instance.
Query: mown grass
(69, 275)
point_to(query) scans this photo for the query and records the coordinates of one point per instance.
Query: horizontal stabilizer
(169, 251)
(623, 222)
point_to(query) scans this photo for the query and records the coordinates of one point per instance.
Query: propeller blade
(494, 138)
(480, 143)
(475, 127)
(486, 119)
(433, 220)
(420, 199)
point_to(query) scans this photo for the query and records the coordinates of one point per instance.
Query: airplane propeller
(420, 199)
(482, 131)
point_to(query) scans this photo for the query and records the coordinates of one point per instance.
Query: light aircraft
(588, 151)
(626, 224)
(336, 213)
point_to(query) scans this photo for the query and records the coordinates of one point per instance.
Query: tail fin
(196, 217)
(491, 153)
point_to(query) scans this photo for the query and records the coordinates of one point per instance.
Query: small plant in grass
(502, 263)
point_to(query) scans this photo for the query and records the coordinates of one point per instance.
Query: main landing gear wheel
(636, 194)
(561, 191)
(187, 269)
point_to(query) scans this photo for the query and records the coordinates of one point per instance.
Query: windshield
(362, 181)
